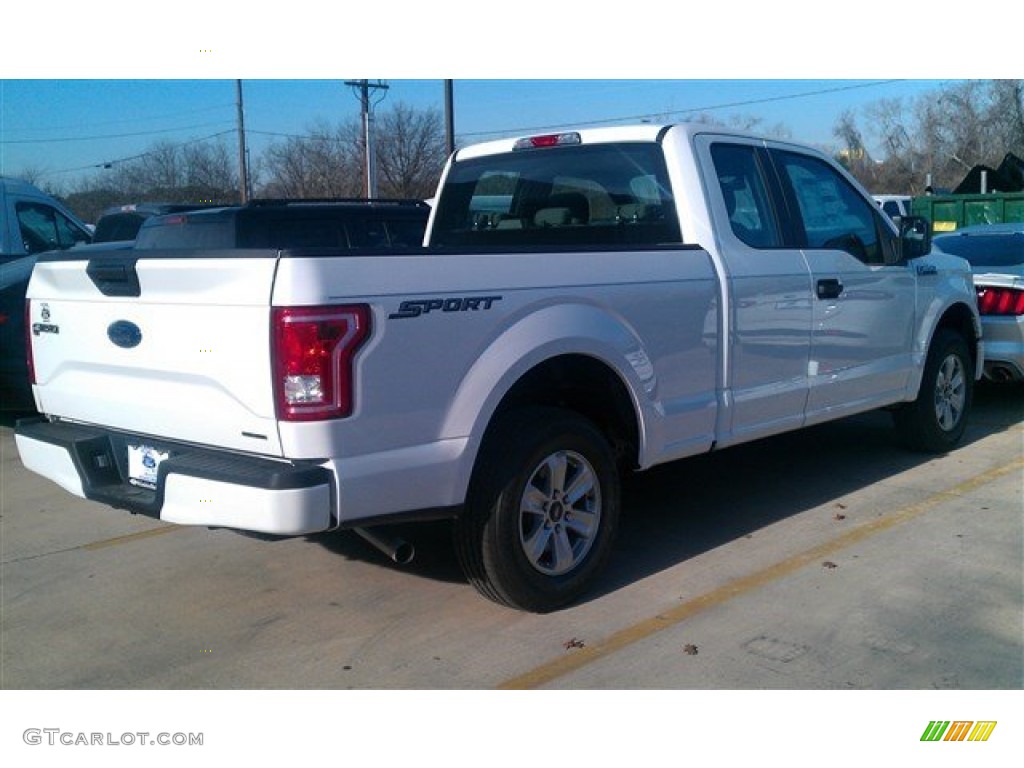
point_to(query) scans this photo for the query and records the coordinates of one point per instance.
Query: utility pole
(243, 168)
(363, 87)
(449, 116)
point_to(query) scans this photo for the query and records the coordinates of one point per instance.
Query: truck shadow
(677, 511)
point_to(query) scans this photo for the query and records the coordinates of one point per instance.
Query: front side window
(45, 229)
(601, 194)
(745, 194)
(832, 213)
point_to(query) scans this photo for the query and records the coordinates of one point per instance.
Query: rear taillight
(313, 350)
(28, 343)
(1000, 301)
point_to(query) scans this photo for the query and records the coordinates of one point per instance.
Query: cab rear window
(604, 194)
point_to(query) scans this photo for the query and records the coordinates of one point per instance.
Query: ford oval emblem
(124, 334)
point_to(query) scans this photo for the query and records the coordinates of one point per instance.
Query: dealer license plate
(143, 463)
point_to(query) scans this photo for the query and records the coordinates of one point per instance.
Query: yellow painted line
(563, 665)
(130, 537)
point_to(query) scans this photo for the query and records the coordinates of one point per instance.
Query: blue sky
(63, 129)
(105, 87)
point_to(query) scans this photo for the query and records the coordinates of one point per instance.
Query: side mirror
(915, 237)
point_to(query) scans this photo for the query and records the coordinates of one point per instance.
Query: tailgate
(169, 345)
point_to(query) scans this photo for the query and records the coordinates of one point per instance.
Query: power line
(150, 118)
(110, 136)
(506, 131)
(120, 161)
(649, 115)
(646, 116)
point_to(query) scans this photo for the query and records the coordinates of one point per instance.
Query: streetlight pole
(364, 87)
(449, 116)
(243, 168)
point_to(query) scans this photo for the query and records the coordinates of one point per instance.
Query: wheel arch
(588, 386)
(958, 317)
(575, 356)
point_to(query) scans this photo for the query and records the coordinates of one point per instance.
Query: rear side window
(579, 195)
(368, 232)
(746, 195)
(181, 231)
(305, 232)
(345, 228)
(407, 232)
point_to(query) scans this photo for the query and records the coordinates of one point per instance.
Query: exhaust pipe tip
(398, 550)
(1002, 374)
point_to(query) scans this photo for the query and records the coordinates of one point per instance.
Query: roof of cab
(637, 132)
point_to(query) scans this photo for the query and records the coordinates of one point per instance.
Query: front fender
(946, 296)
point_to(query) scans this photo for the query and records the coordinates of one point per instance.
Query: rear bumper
(1004, 347)
(194, 486)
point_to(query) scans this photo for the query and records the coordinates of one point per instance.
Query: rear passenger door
(864, 298)
(767, 330)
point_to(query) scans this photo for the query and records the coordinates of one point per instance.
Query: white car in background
(895, 206)
(996, 255)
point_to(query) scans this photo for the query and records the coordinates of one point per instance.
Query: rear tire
(542, 510)
(936, 420)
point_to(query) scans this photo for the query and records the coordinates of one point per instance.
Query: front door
(864, 301)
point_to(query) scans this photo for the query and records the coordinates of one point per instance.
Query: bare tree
(329, 161)
(1006, 113)
(196, 172)
(324, 163)
(33, 174)
(411, 151)
(739, 122)
(853, 153)
(209, 166)
(941, 135)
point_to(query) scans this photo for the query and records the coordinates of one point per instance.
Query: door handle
(829, 288)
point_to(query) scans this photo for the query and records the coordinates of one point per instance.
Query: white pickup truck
(588, 303)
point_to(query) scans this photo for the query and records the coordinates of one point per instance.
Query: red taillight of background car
(313, 351)
(1000, 301)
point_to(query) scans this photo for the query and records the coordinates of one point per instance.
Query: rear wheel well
(590, 388)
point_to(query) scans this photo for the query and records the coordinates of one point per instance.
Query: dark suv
(122, 222)
(333, 223)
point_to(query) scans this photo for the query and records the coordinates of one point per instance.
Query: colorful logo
(958, 730)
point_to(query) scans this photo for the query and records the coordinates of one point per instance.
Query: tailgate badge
(124, 334)
(46, 326)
